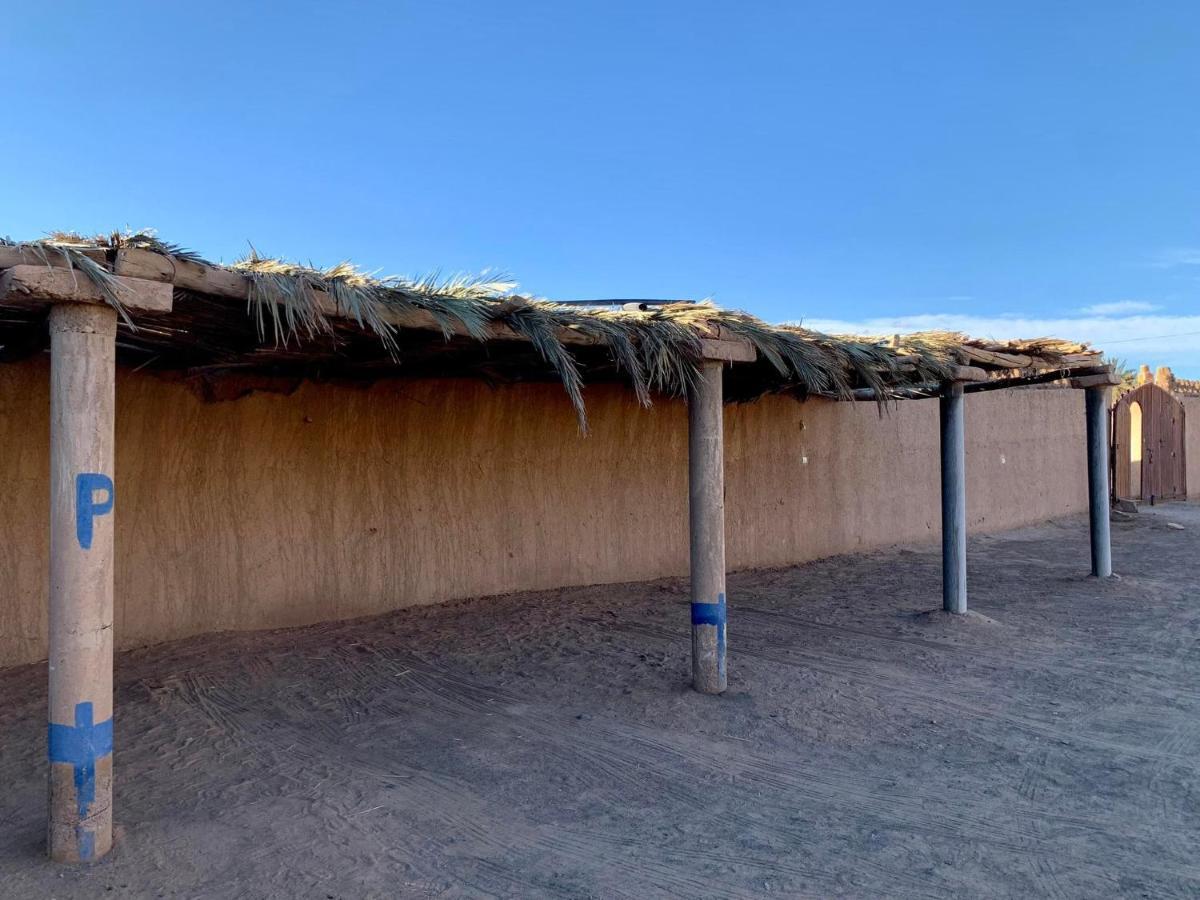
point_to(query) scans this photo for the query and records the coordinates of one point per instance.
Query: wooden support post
(1096, 403)
(954, 500)
(82, 394)
(706, 510)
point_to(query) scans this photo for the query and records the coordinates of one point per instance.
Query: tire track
(813, 784)
(932, 698)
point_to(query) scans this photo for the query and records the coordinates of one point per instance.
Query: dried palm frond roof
(265, 315)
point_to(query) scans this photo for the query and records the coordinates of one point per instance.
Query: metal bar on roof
(616, 302)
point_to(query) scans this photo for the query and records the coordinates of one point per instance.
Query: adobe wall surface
(336, 502)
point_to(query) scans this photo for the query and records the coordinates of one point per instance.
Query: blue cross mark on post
(80, 746)
(86, 507)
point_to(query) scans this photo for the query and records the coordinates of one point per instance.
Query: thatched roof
(269, 317)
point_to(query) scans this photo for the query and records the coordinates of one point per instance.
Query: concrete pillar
(82, 393)
(706, 513)
(1098, 487)
(954, 500)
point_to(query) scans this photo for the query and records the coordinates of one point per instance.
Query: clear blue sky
(1003, 166)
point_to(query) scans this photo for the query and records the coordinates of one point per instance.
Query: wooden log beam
(219, 282)
(26, 255)
(993, 358)
(1105, 379)
(728, 351)
(1063, 374)
(913, 392)
(932, 389)
(1092, 357)
(183, 273)
(39, 285)
(968, 373)
(718, 344)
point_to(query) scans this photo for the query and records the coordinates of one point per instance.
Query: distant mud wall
(1191, 445)
(335, 502)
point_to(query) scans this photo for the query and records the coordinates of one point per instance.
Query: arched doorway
(1135, 449)
(1148, 448)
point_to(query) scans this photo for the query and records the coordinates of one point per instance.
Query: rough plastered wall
(336, 502)
(1191, 445)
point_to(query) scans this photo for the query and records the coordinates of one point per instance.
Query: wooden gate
(1147, 446)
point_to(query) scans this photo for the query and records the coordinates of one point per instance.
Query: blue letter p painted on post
(86, 507)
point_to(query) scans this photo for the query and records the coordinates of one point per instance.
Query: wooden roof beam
(728, 351)
(41, 285)
(217, 281)
(1070, 374)
(26, 255)
(967, 374)
(993, 358)
(1079, 377)
(203, 279)
(1105, 379)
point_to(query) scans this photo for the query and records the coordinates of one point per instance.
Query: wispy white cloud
(1119, 308)
(1126, 336)
(1174, 257)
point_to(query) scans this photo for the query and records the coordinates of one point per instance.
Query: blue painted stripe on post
(80, 745)
(709, 613)
(87, 843)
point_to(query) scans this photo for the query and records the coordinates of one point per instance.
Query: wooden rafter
(144, 266)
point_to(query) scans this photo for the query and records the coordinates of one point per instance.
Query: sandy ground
(548, 745)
